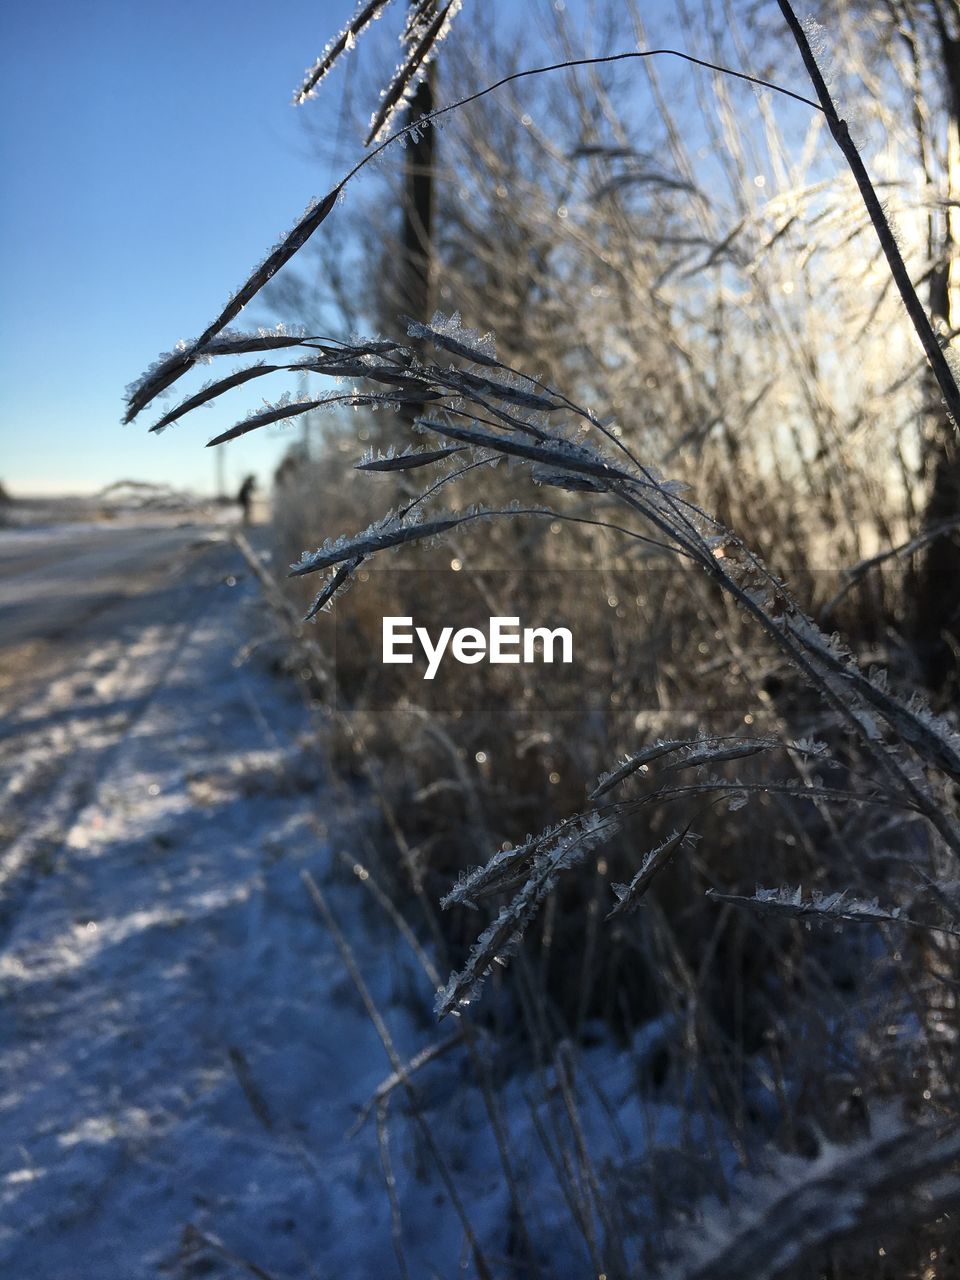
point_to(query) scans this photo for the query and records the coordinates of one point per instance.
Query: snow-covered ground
(183, 1054)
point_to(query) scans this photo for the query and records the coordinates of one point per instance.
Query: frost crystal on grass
(405, 461)
(234, 342)
(555, 452)
(829, 906)
(718, 754)
(629, 896)
(345, 42)
(392, 531)
(506, 869)
(698, 753)
(566, 480)
(426, 29)
(337, 584)
(281, 411)
(211, 389)
(553, 853)
(449, 333)
(784, 1223)
(160, 375)
(314, 214)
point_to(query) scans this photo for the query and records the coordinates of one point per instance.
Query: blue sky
(150, 156)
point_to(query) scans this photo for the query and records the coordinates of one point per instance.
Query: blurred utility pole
(306, 422)
(418, 198)
(418, 203)
(219, 455)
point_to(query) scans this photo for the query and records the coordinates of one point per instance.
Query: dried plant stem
(390, 1182)
(396, 1062)
(888, 243)
(383, 1090)
(471, 1039)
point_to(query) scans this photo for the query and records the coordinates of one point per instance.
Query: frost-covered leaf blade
(629, 896)
(379, 537)
(408, 460)
(449, 334)
(422, 37)
(211, 391)
(555, 852)
(337, 583)
(294, 240)
(607, 781)
(279, 412)
(830, 906)
(340, 45)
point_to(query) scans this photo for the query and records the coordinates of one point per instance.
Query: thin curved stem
(888, 243)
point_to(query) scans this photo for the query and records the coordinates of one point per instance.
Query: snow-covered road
(52, 581)
(183, 1055)
(173, 1019)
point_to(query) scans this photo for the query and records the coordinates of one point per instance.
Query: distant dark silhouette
(245, 497)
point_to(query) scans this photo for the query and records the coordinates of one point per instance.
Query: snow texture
(183, 1059)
